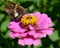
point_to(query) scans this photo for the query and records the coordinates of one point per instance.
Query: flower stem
(29, 46)
(32, 46)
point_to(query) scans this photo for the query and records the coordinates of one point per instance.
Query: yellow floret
(29, 20)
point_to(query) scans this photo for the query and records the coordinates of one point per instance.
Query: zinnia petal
(14, 26)
(28, 41)
(37, 14)
(11, 35)
(31, 32)
(44, 22)
(31, 28)
(21, 42)
(36, 42)
(14, 35)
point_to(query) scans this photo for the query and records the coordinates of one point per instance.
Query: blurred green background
(51, 7)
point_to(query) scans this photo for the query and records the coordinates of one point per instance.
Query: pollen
(29, 19)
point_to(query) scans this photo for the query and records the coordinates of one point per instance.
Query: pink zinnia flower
(31, 27)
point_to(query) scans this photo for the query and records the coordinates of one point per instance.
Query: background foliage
(51, 7)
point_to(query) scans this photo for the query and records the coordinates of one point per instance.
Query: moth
(14, 10)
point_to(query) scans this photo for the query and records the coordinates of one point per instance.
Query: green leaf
(54, 2)
(50, 8)
(7, 34)
(35, 10)
(51, 46)
(2, 8)
(1, 17)
(45, 2)
(4, 25)
(31, 7)
(54, 36)
(23, 0)
(38, 2)
(2, 1)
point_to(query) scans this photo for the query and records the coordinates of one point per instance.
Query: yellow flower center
(29, 19)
